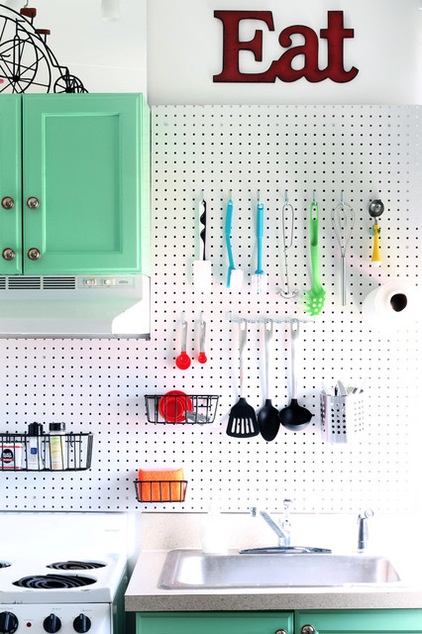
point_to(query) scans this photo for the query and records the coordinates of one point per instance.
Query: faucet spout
(283, 531)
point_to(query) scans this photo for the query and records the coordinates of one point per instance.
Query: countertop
(144, 595)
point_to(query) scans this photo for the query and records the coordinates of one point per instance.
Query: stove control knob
(52, 624)
(8, 623)
(82, 624)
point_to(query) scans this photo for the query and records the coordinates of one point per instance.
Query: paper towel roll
(391, 306)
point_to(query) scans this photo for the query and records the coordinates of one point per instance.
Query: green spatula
(314, 299)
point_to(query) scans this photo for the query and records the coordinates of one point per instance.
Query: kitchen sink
(192, 569)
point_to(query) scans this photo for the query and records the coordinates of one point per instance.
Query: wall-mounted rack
(47, 452)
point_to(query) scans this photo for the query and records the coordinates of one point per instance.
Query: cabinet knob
(8, 254)
(7, 202)
(307, 629)
(280, 632)
(33, 202)
(33, 253)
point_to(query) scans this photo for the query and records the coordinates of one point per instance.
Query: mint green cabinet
(299, 622)
(214, 623)
(79, 182)
(359, 622)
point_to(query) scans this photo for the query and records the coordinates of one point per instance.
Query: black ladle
(268, 418)
(294, 417)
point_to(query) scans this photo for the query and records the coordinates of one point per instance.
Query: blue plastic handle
(259, 236)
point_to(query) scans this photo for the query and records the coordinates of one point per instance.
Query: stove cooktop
(39, 579)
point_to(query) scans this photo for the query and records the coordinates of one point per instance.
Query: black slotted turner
(242, 418)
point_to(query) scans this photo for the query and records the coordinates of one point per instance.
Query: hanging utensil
(259, 278)
(287, 221)
(268, 418)
(376, 209)
(234, 275)
(294, 417)
(242, 418)
(202, 357)
(343, 220)
(183, 360)
(202, 273)
(314, 299)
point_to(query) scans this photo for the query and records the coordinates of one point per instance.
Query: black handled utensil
(242, 418)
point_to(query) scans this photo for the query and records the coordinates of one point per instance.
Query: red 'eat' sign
(282, 68)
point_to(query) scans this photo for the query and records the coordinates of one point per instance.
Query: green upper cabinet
(82, 189)
(10, 183)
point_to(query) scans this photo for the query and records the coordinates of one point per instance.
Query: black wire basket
(161, 490)
(46, 452)
(176, 407)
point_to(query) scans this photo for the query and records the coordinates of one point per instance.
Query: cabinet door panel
(82, 161)
(361, 621)
(214, 622)
(10, 183)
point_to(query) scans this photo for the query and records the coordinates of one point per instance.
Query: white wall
(185, 50)
(171, 49)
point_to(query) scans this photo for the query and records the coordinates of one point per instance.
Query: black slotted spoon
(242, 418)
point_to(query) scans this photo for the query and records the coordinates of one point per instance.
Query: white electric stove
(62, 573)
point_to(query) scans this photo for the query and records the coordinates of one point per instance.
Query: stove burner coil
(76, 565)
(48, 582)
(5, 564)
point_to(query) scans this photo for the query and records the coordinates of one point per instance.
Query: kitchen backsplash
(326, 154)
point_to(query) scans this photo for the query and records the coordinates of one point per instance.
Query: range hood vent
(66, 306)
(35, 282)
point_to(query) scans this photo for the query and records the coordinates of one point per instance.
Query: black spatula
(242, 418)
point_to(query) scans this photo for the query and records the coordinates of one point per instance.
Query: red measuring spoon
(183, 359)
(202, 357)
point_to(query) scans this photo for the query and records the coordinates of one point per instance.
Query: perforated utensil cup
(341, 417)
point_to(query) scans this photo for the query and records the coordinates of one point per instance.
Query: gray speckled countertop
(144, 595)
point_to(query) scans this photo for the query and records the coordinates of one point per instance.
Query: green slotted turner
(314, 299)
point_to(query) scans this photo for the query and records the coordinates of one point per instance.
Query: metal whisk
(343, 220)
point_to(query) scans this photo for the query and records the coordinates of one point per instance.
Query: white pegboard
(99, 386)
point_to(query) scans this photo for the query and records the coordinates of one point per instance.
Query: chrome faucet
(282, 530)
(363, 529)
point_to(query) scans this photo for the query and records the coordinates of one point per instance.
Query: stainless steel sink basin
(193, 569)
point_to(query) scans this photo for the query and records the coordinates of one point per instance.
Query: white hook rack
(264, 320)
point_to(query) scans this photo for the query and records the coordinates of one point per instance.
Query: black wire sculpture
(27, 64)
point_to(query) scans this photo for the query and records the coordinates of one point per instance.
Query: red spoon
(183, 359)
(202, 357)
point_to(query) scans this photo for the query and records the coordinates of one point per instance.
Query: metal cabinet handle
(7, 202)
(8, 254)
(33, 253)
(308, 629)
(33, 202)
(280, 632)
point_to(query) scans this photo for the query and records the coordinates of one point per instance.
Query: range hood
(82, 306)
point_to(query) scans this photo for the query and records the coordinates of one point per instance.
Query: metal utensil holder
(341, 417)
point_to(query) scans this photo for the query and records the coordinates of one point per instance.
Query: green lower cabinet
(358, 622)
(214, 623)
(300, 622)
